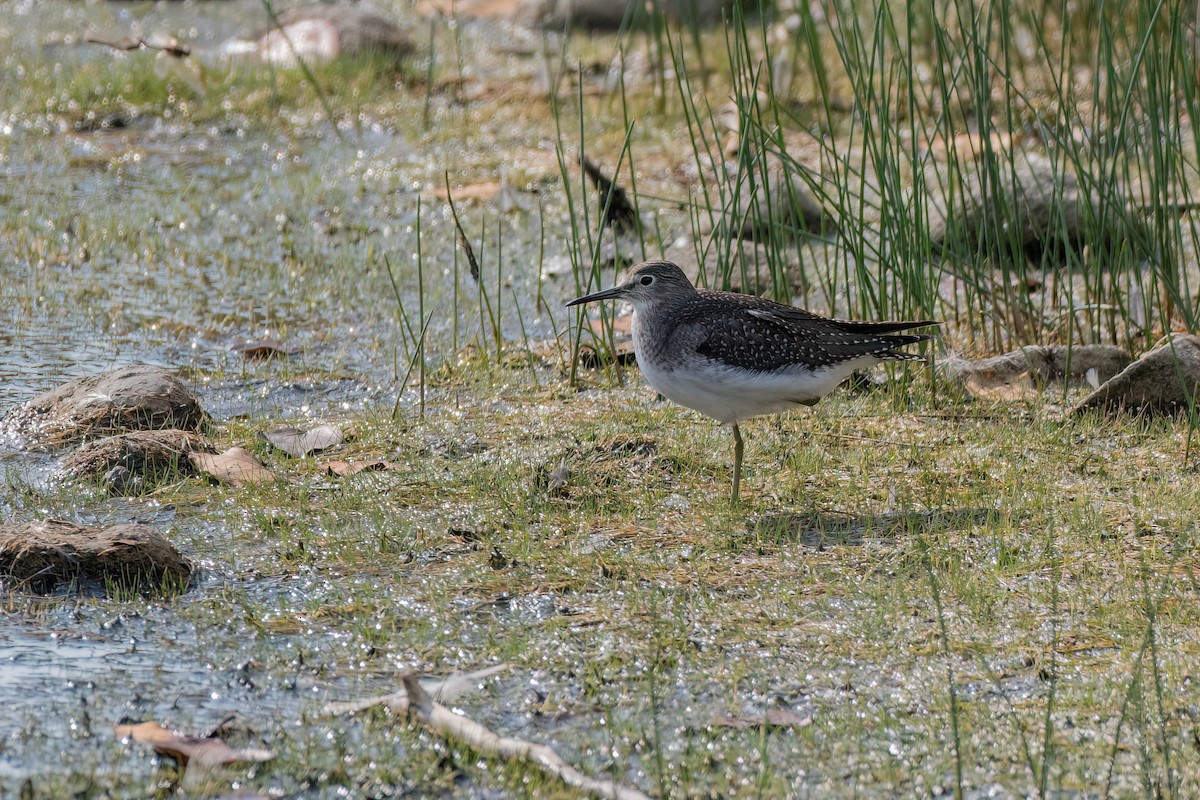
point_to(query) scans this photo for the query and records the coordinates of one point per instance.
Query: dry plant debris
(130, 463)
(1000, 386)
(344, 469)
(616, 208)
(236, 466)
(298, 443)
(474, 191)
(774, 717)
(208, 751)
(261, 350)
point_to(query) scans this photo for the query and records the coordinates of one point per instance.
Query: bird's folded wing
(765, 340)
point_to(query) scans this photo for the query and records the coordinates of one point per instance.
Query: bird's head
(650, 282)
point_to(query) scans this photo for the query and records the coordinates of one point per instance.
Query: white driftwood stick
(446, 690)
(413, 700)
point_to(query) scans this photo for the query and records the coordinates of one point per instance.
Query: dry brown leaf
(210, 752)
(344, 469)
(993, 386)
(1072, 645)
(298, 443)
(236, 466)
(261, 350)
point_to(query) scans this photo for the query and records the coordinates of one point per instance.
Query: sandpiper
(733, 356)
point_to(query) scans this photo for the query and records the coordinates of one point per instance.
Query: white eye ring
(647, 280)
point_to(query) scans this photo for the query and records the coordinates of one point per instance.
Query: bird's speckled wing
(757, 334)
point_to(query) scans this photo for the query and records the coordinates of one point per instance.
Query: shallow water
(262, 243)
(166, 243)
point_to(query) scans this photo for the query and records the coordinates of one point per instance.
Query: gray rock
(136, 462)
(1041, 364)
(41, 557)
(785, 204)
(1016, 204)
(319, 33)
(129, 398)
(1164, 380)
(613, 14)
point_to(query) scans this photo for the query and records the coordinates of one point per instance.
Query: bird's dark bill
(606, 294)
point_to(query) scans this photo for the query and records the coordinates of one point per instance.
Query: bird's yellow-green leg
(737, 461)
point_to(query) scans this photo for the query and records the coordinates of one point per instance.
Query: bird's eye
(647, 280)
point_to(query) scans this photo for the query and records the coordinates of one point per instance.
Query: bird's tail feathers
(900, 341)
(886, 327)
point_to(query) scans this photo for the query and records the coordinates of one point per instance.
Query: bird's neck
(651, 325)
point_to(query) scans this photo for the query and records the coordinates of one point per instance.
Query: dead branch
(615, 207)
(171, 48)
(414, 701)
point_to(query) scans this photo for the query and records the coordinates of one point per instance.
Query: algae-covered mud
(407, 459)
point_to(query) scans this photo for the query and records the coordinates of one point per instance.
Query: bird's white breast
(730, 394)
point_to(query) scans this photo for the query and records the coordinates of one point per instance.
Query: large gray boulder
(1022, 204)
(129, 398)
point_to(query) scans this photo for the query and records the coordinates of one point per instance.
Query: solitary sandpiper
(734, 356)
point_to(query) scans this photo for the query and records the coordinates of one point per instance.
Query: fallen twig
(171, 47)
(448, 689)
(414, 701)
